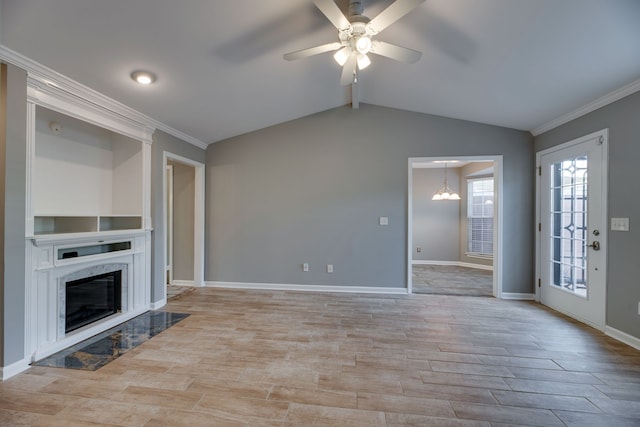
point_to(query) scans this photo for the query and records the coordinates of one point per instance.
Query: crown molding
(54, 79)
(609, 98)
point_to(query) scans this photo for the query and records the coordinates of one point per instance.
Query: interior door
(572, 258)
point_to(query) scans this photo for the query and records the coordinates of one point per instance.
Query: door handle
(595, 246)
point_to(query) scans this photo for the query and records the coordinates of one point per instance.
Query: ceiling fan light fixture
(342, 55)
(363, 61)
(363, 45)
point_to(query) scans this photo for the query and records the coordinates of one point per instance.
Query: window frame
(488, 230)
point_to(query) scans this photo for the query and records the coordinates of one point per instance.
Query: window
(480, 217)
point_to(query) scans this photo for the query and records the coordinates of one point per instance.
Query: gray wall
(312, 190)
(14, 168)
(183, 214)
(623, 269)
(163, 142)
(436, 225)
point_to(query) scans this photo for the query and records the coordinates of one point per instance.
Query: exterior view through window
(480, 217)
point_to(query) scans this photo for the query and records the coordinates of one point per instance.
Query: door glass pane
(568, 237)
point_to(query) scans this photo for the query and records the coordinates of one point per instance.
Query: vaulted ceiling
(221, 73)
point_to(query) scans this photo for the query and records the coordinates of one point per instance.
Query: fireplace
(91, 294)
(90, 299)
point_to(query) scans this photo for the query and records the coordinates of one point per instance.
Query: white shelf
(65, 224)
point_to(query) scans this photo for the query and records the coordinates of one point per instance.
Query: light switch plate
(384, 220)
(619, 224)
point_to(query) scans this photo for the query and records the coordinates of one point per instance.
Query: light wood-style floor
(262, 358)
(452, 280)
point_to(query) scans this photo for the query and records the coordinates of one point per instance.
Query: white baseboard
(189, 283)
(158, 304)
(518, 296)
(9, 371)
(453, 263)
(308, 288)
(623, 337)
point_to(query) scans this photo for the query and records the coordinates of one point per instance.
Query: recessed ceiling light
(143, 77)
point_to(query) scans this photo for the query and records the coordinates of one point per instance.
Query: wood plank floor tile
(621, 391)
(468, 368)
(448, 392)
(177, 418)
(317, 416)
(176, 399)
(117, 413)
(242, 407)
(413, 420)
(386, 402)
(507, 414)
(316, 397)
(582, 419)
(545, 401)
(551, 387)
(554, 375)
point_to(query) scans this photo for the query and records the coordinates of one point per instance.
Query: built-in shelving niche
(85, 178)
(54, 224)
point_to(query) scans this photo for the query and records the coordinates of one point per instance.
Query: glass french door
(572, 259)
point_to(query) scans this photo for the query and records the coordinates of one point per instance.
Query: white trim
(198, 219)
(518, 296)
(453, 263)
(498, 214)
(186, 283)
(622, 337)
(15, 368)
(607, 99)
(74, 88)
(158, 304)
(307, 288)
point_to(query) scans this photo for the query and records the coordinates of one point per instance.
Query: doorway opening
(183, 212)
(454, 245)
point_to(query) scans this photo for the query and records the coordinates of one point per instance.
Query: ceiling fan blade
(305, 53)
(395, 11)
(333, 13)
(348, 70)
(398, 53)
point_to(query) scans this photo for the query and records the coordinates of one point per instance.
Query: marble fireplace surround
(85, 273)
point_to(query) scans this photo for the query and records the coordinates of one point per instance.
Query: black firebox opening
(92, 298)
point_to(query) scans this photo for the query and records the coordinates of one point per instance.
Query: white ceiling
(513, 63)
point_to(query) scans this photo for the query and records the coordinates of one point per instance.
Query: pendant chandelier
(445, 193)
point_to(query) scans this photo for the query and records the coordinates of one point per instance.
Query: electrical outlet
(418, 250)
(305, 266)
(329, 268)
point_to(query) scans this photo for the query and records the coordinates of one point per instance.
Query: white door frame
(603, 237)
(198, 209)
(168, 221)
(497, 220)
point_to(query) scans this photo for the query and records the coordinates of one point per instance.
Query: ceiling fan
(356, 35)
